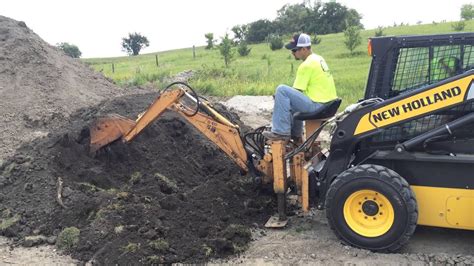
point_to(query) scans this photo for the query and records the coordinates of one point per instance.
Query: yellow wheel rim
(368, 213)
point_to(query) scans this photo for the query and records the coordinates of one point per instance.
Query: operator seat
(313, 120)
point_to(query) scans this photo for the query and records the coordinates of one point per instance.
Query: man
(313, 87)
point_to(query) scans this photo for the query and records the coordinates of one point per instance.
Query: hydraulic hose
(193, 94)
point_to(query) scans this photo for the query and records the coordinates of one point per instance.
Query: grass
(68, 238)
(261, 71)
(7, 223)
(159, 245)
(131, 248)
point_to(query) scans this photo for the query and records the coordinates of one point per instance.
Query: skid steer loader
(402, 156)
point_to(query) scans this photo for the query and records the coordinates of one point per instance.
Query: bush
(209, 40)
(379, 32)
(69, 49)
(458, 26)
(226, 50)
(352, 38)
(243, 49)
(275, 41)
(68, 238)
(316, 40)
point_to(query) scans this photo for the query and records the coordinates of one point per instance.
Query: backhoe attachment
(112, 127)
(208, 121)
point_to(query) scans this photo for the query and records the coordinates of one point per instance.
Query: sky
(98, 26)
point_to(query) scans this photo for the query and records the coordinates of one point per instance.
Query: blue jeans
(287, 102)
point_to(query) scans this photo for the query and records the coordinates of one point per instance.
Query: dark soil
(168, 196)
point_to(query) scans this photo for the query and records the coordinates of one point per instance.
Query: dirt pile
(170, 196)
(40, 86)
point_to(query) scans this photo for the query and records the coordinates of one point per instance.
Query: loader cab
(404, 63)
(402, 66)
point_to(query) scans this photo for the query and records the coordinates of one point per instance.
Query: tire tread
(391, 178)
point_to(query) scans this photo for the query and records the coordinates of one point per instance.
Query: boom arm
(217, 128)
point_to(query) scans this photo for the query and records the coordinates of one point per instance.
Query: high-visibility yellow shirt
(315, 80)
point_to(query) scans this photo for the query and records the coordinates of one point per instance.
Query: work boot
(275, 136)
(297, 140)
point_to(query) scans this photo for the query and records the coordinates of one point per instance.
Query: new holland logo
(416, 104)
(424, 102)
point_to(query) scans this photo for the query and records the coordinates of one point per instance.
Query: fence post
(156, 60)
(113, 68)
(194, 52)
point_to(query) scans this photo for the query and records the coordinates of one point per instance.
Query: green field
(261, 71)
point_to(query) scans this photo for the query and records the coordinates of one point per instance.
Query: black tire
(354, 203)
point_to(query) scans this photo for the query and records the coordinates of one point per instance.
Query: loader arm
(215, 127)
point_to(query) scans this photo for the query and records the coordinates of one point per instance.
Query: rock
(28, 187)
(223, 246)
(51, 240)
(22, 24)
(167, 185)
(20, 159)
(3, 181)
(9, 169)
(150, 234)
(31, 241)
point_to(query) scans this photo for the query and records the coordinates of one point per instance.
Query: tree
(312, 20)
(275, 42)
(352, 38)
(225, 47)
(69, 49)
(134, 43)
(467, 12)
(240, 33)
(458, 26)
(210, 40)
(259, 30)
(353, 18)
(243, 48)
(292, 18)
(333, 18)
(311, 16)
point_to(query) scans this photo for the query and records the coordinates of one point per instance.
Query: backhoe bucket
(108, 129)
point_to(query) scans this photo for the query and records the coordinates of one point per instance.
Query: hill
(261, 71)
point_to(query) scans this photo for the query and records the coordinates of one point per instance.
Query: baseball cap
(299, 40)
